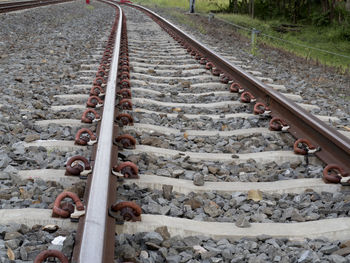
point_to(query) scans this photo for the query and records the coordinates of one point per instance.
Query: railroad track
(186, 161)
(15, 6)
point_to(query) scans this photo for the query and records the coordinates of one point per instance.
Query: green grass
(89, 7)
(202, 6)
(182, 18)
(327, 38)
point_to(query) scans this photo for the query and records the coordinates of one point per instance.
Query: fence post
(253, 37)
(210, 17)
(192, 6)
(254, 31)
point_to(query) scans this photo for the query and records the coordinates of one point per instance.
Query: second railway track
(20, 5)
(189, 167)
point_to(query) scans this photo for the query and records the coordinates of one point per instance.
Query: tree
(331, 12)
(320, 12)
(251, 8)
(233, 6)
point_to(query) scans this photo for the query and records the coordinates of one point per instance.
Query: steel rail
(335, 147)
(11, 4)
(94, 246)
(15, 6)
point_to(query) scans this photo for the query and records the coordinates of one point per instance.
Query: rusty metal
(99, 81)
(124, 63)
(125, 68)
(247, 97)
(203, 61)
(96, 91)
(127, 141)
(124, 57)
(76, 165)
(49, 254)
(332, 173)
(59, 210)
(125, 104)
(277, 124)
(335, 146)
(125, 119)
(130, 211)
(215, 71)
(209, 65)
(261, 108)
(89, 119)
(14, 6)
(224, 79)
(124, 75)
(94, 102)
(236, 88)
(125, 83)
(82, 139)
(105, 67)
(125, 93)
(303, 147)
(101, 73)
(128, 169)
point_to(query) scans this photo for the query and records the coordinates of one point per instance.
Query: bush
(262, 10)
(319, 19)
(345, 33)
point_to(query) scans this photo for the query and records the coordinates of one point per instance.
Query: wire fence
(254, 31)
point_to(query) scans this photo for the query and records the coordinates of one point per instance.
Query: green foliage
(262, 10)
(320, 19)
(89, 7)
(344, 33)
(184, 19)
(333, 37)
(202, 6)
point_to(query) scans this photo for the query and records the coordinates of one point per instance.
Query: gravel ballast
(316, 84)
(41, 53)
(42, 50)
(235, 207)
(255, 206)
(22, 243)
(158, 246)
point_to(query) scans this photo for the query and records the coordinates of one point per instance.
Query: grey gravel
(246, 143)
(41, 53)
(317, 84)
(26, 243)
(211, 206)
(238, 208)
(39, 58)
(183, 167)
(203, 249)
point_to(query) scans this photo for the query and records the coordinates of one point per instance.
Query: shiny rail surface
(335, 147)
(96, 243)
(15, 6)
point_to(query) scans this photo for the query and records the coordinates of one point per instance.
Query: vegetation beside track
(333, 37)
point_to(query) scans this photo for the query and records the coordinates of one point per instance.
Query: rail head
(92, 246)
(16, 6)
(335, 147)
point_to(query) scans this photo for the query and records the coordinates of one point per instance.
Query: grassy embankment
(328, 38)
